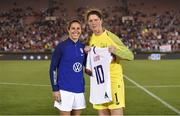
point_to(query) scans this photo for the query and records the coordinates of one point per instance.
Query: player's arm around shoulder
(122, 51)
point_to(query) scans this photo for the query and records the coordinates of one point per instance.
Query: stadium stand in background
(39, 25)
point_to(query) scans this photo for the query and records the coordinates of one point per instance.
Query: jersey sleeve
(88, 69)
(56, 56)
(122, 51)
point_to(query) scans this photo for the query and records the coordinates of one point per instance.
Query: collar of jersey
(105, 31)
(71, 41)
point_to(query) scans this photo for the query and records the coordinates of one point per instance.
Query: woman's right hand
(57, 96)
(87, 49)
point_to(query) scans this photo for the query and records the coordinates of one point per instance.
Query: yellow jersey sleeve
(122, 51)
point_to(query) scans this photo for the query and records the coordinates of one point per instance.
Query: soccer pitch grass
(152, 88)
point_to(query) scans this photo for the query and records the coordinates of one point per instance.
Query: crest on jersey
(77, 67)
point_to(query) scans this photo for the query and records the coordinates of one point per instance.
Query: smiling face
(74, 31)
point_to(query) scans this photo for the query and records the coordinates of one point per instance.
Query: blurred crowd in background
(38, 26)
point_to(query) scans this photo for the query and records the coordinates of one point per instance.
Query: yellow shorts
(118, 97)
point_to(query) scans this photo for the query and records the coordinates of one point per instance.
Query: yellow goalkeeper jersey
(122, 52)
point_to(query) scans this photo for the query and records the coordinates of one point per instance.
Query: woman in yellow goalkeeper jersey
(104, 38)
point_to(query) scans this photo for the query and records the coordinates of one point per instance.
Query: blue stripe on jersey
(68, 60)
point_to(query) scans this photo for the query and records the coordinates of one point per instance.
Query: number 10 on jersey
(99, 74)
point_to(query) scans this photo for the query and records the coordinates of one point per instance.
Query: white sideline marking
(153, 95)
(155, 86)
(146, 86)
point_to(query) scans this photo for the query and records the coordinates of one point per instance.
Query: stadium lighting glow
(24, 57)
(31, 57)
(38, 57)
(46, 57)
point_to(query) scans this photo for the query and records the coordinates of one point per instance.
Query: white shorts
(70, 100)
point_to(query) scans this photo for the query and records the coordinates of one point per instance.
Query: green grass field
(152, 88)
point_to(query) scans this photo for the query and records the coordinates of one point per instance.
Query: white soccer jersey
(98, 62)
